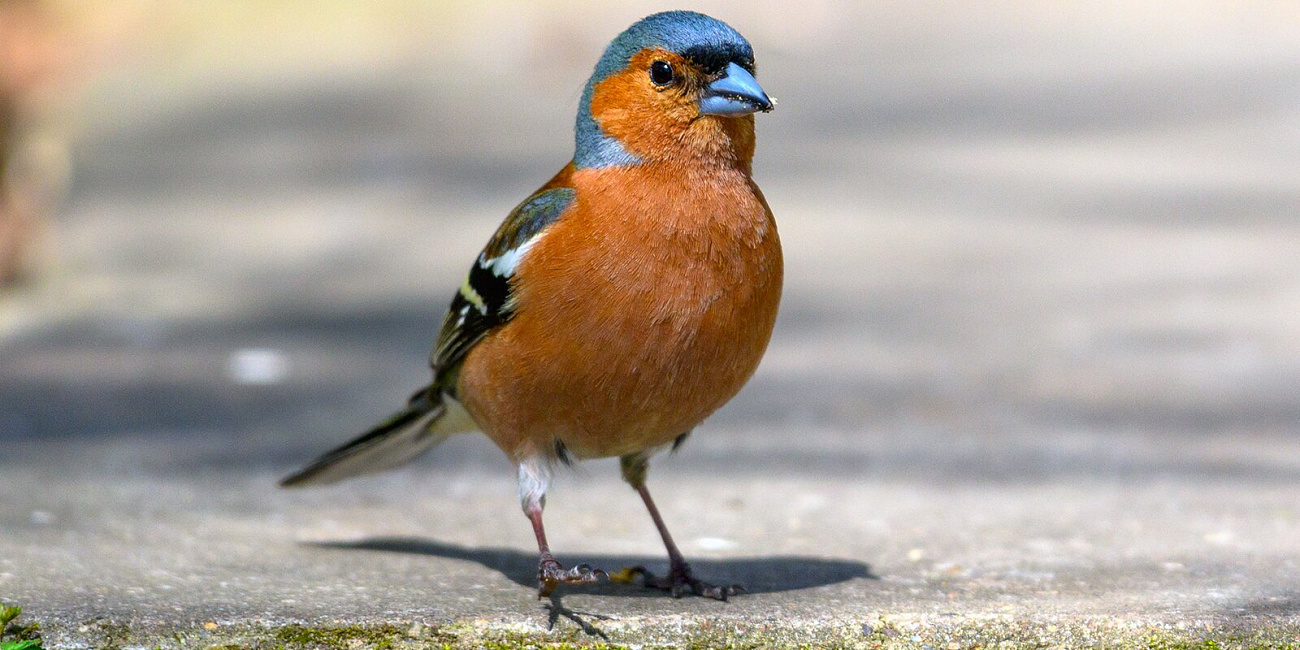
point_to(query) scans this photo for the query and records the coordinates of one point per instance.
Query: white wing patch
(504, 265)
(486, 299)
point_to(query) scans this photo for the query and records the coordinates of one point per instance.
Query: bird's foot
(550, 574)
(678, 582)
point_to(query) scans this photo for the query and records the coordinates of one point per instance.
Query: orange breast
(639, 313)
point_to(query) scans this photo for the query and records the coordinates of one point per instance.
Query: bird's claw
(550, 574)
(678, 582)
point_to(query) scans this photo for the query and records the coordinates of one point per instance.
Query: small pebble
(257, 366)
(714, 543)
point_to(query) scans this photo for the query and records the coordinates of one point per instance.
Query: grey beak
(736, 94)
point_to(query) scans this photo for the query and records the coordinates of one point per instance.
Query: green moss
(396, 637)
(564, 638)
(17, 637)
(1227, 642)
(8, 613)
(348, 637)
(701, 634)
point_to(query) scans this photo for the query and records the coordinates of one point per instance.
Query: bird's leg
(549, 571)
(679, 578)
(534, 479)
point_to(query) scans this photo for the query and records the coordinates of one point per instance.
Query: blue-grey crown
(707, 41)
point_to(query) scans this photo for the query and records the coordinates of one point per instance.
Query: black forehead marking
(713, 58)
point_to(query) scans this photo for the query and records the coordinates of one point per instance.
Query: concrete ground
(1034, 379)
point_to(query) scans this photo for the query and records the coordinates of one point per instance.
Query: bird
(620, 304)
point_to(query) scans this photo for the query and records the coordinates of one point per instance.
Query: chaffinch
(627, 299)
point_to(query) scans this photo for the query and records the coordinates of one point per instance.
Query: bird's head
(675, 86)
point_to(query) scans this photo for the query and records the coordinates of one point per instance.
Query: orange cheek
(660, 125)
(647, 122)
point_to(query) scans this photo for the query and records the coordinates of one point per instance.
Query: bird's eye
(661, 73)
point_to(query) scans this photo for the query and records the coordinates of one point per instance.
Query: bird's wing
(485, 299)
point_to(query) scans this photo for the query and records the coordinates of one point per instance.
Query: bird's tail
(398, 440)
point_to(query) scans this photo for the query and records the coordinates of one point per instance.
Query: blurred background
(1028, 243)
(1045, 208)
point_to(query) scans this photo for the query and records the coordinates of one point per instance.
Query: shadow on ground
(759, 575)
